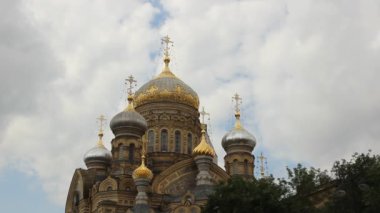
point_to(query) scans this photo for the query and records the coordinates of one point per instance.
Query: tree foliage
(357, 189)
(301, 183)
(358, 185)
(238, 195)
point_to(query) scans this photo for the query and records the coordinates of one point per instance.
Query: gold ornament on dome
(178, 95)
(178, 89)
(142, 171)
(102, 120)
(152, 89)
(238, 100)
(203, 147)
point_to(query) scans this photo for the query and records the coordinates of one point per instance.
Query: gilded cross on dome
(203, 114)
(130, 82)
(167, 42)
(102, 121)
(237, 99)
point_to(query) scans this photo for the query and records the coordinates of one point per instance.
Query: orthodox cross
(130, 82)
(143, 147)
(203, 114)
(262, 168)
(167, 42)
(102, 121)
(238, 102)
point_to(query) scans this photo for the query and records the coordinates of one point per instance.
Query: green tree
(357, 190)
(267, 195)
(301, 183)
(240, 196)
(358, 185)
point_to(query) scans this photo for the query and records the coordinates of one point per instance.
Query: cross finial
(102, 121)
(203, 113)
(143, 147)
(167, 43)
(262, 168)
(130, 82)
(238, 102)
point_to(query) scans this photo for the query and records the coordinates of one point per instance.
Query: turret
(98, 157)
(142, 177)
(128, 127)
(239, 144)
(203, 156)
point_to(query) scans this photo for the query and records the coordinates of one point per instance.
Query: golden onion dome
(142, 171)
(203, 147)
(166, 87)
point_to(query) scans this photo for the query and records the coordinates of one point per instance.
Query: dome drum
(128, 131)
(97, 163)
(170, 116)
(240, 148)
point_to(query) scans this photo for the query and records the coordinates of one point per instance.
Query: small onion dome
(142, 171)
(203, 147)
(128, 122)
(238, 136)
(98, 154)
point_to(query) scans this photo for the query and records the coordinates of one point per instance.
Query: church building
(162, 159)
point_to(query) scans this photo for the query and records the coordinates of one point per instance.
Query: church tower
(142, 177)
(128, 127)
(239, 144)
(170, 108)
(99, 157)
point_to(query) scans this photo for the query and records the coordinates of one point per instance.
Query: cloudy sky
(308, 72)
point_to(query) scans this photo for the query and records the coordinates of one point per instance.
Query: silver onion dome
(128, 122)
(98, 156)
(97, 153)
(238, 137)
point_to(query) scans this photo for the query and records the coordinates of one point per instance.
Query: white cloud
(95, 46)
(307, 72)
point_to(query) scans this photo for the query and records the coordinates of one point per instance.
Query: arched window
(235, 167)
(75, 208)
(246, 167)
(131, 156)
(189, 143)
(76, 199)
(150, 141)
(177, 140)
(164, 140)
